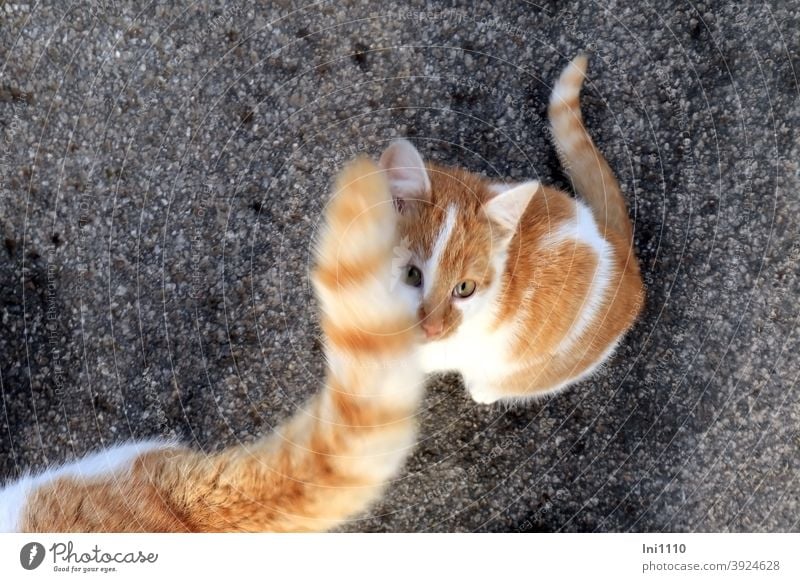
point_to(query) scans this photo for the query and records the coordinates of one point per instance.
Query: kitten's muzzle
(437, 319)
(433, 327)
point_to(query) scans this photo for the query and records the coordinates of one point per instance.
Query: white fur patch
(564, 92)
(564, 132)
(568, 85)
(396, 380)
(14, 496)
(583, 229)
(430, 269)
(476, 349)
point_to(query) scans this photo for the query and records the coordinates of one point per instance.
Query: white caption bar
(387, 557)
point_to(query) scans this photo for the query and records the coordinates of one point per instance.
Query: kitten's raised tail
(591, 176)
(323, 466)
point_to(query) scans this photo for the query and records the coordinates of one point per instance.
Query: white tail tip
(568, 86)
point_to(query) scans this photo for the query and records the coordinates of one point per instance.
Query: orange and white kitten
(521, 288)
(325, 464)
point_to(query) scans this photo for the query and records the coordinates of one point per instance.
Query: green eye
(413, 276)
(465, 289)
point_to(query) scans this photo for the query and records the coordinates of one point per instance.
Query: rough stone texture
(163, 170)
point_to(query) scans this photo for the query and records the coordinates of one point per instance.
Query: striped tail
(325, 464)
(584, 164)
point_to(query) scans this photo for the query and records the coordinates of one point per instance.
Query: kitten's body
(325, 464)
(558, 285)
(555, 281)
(549, 321)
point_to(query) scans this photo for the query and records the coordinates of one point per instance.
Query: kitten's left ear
(508, 204)
(408, 178)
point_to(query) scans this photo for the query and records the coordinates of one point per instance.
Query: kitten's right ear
(509, 203)
(408, 178)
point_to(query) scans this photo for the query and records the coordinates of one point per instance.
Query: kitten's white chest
(476, 351)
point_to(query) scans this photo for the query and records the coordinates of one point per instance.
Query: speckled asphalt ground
(164, 166)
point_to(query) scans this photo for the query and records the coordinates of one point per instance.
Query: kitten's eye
(413, 276)
(465, 289)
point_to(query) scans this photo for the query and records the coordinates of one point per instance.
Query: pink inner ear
(509, 203)
(408, 178)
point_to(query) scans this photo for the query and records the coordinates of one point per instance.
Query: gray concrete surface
(164, 166)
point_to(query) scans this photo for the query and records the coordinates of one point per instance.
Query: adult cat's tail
(582, 161)
(327, 463)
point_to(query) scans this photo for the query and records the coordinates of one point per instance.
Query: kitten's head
(457, 227)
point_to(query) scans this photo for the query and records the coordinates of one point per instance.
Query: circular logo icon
(31, 555)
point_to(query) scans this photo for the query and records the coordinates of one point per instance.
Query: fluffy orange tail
(329, 461)
(582, 161)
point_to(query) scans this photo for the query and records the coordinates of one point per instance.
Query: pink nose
(432, 328)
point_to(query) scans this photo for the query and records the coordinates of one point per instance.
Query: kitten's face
(456, 228)
(450, 251)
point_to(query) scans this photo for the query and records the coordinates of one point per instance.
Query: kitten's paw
(362, 199)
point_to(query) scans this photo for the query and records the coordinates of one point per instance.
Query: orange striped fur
(556, 279)
(324, 465)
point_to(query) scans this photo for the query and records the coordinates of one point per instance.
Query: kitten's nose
(432, 328)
